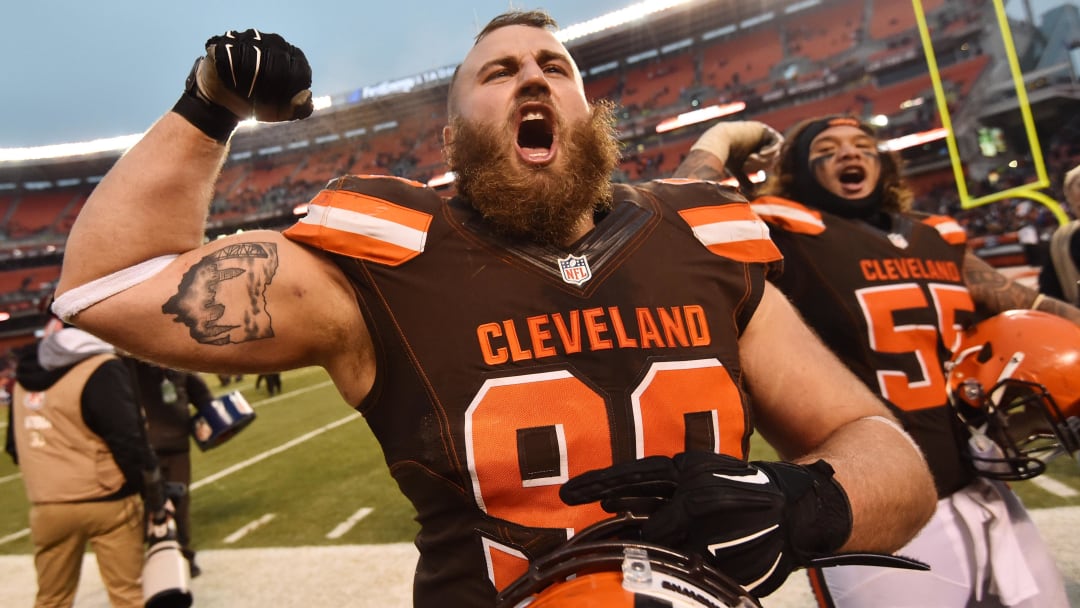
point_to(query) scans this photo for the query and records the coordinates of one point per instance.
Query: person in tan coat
(79, 438)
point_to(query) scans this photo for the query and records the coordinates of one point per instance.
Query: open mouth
(852, 178)
(536, 136)
(852, 175)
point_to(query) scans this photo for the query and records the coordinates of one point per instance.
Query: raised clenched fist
(256, 74)
(248, 74)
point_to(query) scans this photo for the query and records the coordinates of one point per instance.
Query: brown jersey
(505, 368)
(890, 304)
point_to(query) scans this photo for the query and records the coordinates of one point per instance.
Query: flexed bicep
(240, 274)
(249, 302)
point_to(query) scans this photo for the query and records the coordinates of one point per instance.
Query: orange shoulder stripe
(948, 228)
(789, 215)
(363, 227)
(732, 231)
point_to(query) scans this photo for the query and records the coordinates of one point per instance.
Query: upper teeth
(533, 116)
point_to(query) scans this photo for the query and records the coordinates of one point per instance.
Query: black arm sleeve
(109, 409)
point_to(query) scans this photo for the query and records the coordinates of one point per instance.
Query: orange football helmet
(1015, 381)
(614, 573)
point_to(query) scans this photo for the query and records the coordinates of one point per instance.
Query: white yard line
(234, 468)
(249, 528)
(14, 536)
(292, 393)
(347, 525)
(1054, 486)
(228, 471)
(264, 455)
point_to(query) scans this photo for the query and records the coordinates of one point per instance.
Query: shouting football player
(890, 290)
(543, 342)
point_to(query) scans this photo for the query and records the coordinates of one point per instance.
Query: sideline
(380, 576)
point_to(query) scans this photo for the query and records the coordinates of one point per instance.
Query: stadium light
(915, 139)
(709, 113)
(123, 143)
(110, 144)
(614, 19)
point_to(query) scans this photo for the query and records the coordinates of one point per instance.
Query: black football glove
(755, 522)
(249, 74)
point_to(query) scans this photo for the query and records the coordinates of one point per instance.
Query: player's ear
(447, 135)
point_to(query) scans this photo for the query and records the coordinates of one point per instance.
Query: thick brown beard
(543, 204)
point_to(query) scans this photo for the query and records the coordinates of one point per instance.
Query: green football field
(307, 472)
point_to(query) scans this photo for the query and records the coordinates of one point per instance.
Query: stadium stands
(35, 213)
(858, 56)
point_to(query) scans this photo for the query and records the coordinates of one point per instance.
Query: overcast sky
(75, 70)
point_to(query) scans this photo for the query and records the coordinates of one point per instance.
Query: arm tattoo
(992, 291)
(222, 297)
(1059, 308)
(700, 164)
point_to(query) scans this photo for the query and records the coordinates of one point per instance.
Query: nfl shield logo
(575, 269)
(34, 401)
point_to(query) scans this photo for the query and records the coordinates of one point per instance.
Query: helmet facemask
(1016, 429)
(1015, 383)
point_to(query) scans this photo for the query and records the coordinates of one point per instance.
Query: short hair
(535, 18)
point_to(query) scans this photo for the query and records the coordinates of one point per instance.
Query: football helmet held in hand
(755, 522)
(1015, 383)
(605, 566)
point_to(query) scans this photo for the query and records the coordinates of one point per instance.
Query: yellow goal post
(1030, 190)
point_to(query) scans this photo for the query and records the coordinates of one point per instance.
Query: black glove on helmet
(755, 522)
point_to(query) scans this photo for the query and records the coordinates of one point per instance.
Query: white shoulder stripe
(790, 213)
(731, 231)
(366, 225)
(949, 227)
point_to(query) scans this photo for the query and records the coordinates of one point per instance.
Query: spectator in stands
(79, 438)
(856, 262)
(1059, 277)
(541, 321)
(167, 396)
